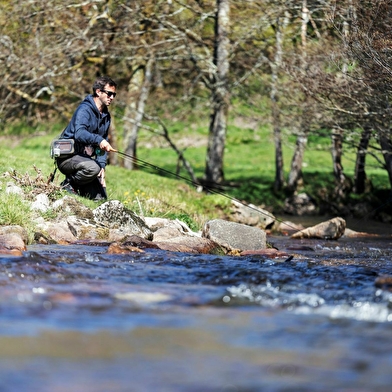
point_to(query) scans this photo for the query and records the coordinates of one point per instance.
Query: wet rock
(232, 236)
(131, 243)
(270, 253)
(384, 282)
(139, 242)
(121, 249)
(354, 234)
(12, 241)
(332, 229)
(251, 215)
(15, 229)
(10, 252)
(287, 227)
(114, 215)
(189, 244)
(301, 204)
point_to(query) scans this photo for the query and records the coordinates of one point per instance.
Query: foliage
(14, 211)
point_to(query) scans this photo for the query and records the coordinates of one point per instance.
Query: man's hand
(105, 145)
(101, 178)
(88, 150)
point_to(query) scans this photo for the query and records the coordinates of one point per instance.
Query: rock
(271, 253)
(114, 215)
(165, 233)
(301, 204)
(12, 241)
(41, 203)
(156, 223)
(332, 229)
(384, 282)
(119, 249)
(231, 235)
(10, 252)
(251, 215)
(287, 227)
(72, 206)
(131, 243)
(14, 189)
(84, 229)
(15, 229)
(58, 232)
(189, 244)
(354, 234)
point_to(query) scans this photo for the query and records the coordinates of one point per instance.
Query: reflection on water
(78, 319)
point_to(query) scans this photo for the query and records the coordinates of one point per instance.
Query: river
(75, 318)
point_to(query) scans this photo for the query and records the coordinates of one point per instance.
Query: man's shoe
(66, 185)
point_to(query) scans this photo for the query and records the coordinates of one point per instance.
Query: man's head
(101, 83)
(104, 91)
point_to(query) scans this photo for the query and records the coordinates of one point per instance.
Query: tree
(220, 96)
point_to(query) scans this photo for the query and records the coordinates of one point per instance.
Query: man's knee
(87, 172)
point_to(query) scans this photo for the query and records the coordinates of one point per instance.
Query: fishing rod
(146, 164)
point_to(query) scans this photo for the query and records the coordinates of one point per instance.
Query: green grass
(248, 166)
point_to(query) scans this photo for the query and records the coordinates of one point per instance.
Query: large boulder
(332, 229)
(234, 236)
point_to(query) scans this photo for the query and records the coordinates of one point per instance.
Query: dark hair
(101, 82)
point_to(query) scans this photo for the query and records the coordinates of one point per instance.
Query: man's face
(106, 95)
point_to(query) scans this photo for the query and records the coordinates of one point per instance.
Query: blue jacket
(88, 127)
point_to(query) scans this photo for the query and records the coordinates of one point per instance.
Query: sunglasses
(109, 93)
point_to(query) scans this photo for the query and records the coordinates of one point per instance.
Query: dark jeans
(82, 171)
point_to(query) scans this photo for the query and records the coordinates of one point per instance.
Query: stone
(12, 241)
(231, 235)
(119, 249)
(41, 203)
(301, 204)
(190, 244)
(15, 229)
(84, 229)
(251, 215)
(270, 253)
(72, 206)
(114, 215)
(14, 189)
(332, 229)
(58, 232)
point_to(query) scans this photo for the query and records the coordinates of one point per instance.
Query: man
(89, 127)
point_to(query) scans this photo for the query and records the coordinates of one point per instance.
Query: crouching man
(89, 128)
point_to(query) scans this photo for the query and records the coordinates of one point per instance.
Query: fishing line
(146, 164)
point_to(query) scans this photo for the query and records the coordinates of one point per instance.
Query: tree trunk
(295, 174)
(386, 146)
(220, 96)
(340, 179)
(130, 137)
(275, 67)
(360, 163)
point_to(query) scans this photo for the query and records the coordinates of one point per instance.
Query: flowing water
(74, 318)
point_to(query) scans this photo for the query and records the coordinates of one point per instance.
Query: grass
(249, 172)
